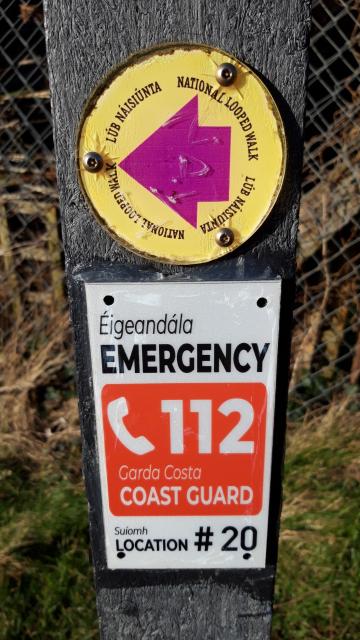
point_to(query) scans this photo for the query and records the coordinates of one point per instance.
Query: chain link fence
(326, 345)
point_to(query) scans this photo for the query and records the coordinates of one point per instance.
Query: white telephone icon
(116, 411)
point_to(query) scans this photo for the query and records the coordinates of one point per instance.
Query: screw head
(92, 161)
(226, 74)
(224, 237)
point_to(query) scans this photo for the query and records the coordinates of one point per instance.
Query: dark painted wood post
(85, 39)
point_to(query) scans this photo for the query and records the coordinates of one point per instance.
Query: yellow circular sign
(182, 153)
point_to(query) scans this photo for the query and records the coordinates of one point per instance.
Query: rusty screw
(224, 237)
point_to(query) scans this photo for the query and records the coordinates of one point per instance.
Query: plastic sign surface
(181, 155)
(184, 383)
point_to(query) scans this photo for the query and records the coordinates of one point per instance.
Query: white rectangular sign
(184, 383)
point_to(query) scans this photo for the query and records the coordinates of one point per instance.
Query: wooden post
(85, 39)
(9, 265)
(54, 252)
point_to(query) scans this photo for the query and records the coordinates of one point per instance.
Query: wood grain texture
(85, 38)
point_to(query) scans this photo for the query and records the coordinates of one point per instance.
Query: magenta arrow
(183, 164)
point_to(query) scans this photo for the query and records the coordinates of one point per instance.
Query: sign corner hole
(261, 302)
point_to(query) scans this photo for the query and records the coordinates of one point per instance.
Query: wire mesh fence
(326, 345)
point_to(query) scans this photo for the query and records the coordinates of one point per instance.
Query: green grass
(318, 586)
(47, 585)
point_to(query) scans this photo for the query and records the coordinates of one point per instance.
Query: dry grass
(36, 361)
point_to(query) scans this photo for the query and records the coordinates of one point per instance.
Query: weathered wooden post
(189, 155)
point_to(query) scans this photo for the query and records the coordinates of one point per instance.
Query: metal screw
(224, 237)
(93, 161)
(226, 74)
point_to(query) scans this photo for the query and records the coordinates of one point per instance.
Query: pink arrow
(183, 164)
